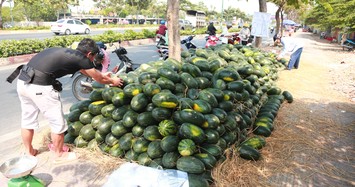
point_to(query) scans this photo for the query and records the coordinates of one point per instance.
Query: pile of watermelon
(184, 115)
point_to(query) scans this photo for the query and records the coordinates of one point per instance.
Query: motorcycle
(348, 44)
(160, 41)
(164, 51)
(211, 40)
(82, 84)
(233, 39)
(188, 42)
(162, 47)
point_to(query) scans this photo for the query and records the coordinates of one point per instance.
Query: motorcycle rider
(162, 32)
(211, 30)
(245, 34)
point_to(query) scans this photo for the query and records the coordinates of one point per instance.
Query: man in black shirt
(38, 90)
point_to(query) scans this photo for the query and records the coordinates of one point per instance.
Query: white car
(185, 24)
(69, 26)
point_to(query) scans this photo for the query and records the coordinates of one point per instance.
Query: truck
(196, 18)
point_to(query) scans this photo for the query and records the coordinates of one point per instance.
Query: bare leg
(27, 137)
(58, 142)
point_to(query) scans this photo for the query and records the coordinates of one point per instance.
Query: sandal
(51, 147)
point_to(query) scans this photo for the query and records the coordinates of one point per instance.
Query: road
(44, 34)
(11, 111)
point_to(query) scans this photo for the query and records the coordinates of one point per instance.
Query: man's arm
(283, 52)
(103, 78)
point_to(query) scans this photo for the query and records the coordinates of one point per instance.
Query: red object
(235, 39)
(329, 38)
(162, 30)
(211, 41)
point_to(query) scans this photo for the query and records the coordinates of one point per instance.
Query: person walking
(244, 34)
(38, 90)
(290, 45)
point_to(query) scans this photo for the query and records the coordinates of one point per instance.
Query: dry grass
(299, 147)
(104, 162)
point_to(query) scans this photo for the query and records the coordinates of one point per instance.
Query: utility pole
(222, 15)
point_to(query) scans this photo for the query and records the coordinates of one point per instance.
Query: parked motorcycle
(234, 39)
(188, 42)
(164, 50)
(82, 84)
(349, 44)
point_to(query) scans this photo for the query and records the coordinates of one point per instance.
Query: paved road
(44, 34)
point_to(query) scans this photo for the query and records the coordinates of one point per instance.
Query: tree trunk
(278, 23)
(173, 29)
(282, 21)
(1, 2)
(262, 8)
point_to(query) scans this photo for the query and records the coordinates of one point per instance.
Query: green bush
(28, 46)
(88, 22)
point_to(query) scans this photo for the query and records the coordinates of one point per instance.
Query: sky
(248, 7)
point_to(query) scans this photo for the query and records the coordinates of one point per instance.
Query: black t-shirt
(60, 61)
(211, 29)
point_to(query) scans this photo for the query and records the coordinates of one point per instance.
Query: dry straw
(300, 150)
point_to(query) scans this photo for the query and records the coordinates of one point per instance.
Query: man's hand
(116, 82)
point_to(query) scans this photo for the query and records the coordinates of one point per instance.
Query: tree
(173, 29)
(342, 17)
(56, 6)
(289, 7)
(1, 3)
(116, 6)
(230, 12)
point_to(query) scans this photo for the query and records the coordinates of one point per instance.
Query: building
(197, 18)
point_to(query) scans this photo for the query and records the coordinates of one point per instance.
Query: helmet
(229, 25)
(101, 45)
(211, 22)
(162, 22)
(245, 25)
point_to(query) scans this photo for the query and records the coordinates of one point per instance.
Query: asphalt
(77, 173)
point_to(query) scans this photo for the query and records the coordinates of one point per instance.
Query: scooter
(211, 40)
(164, 50)
(188, 42)
(160, 41)
(82, 84)
(349, 44)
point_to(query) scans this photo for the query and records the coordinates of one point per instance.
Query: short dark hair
(276, 37)
(88, 45)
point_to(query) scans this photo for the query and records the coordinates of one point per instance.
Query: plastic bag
(134, 175)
